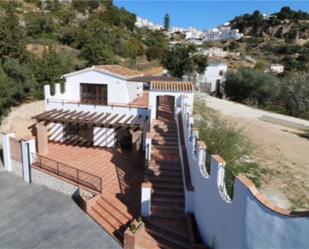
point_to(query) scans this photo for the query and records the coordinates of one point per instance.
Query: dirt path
(19, 119)
(279, 149)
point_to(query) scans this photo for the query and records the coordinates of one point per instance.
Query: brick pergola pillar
(42, 138)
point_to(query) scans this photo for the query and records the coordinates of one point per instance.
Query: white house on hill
(213, 77)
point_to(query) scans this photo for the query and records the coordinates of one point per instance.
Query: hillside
(42, 40)
(282, 37)
(287, 24)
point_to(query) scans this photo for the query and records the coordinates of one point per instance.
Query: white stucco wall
(135, 89)
(178, 98)
(117, 91)
(104, 137)
(212, 74)
(55, 132)
(243, 222)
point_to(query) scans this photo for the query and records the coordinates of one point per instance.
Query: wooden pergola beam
(106, 120)
(44, 114)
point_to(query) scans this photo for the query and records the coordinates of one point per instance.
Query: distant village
(212, 79)
(193, 35)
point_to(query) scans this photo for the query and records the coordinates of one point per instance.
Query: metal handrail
(78, 171)
(112, 105)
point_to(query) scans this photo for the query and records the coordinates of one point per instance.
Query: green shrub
(224, 139)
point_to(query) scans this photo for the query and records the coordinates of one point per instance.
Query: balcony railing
(63, 102)
(73, 175)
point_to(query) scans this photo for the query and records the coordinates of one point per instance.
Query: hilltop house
(213, 77)
(127, 146)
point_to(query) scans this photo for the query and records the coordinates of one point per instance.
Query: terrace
(116, 171)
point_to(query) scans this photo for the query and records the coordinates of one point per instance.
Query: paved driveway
(32, 216)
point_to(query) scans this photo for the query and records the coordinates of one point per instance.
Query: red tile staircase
(167, 226)
(112, 214)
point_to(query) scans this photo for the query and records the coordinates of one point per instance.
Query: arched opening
(165, 107)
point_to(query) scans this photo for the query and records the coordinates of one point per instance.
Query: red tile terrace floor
(121, 174)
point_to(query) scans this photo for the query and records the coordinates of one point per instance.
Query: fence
(77, 176)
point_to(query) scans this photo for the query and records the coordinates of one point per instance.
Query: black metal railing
(77, 176)
(208, 162)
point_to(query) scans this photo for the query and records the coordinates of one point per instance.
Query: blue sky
(204, 14)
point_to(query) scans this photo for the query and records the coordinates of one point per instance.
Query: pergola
(134, 123)
(104, 120)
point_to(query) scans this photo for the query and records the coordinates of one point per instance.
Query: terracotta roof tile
(119, 71)
(181, 86)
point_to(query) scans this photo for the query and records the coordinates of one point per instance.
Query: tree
(11, 35)
(97, 52)
(7, 91)
(167, 22)
(133, 48)
(295, 94)
(182, 59)
(22, 76)
(251, 86)
(49, 69)
(201, 62)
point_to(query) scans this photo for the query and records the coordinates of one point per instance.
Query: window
(95, 94)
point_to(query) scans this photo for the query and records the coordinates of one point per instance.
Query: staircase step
(156, 171)
(159, 185)
(171, 243)
(114, 212)
(166, 148)
(167, 179)
(165, 142)
(170, 215)
(171, 157)
(107, 225)
(117, 205)
(166, 199)
(167, 135)
(167, 191)
(182, 235)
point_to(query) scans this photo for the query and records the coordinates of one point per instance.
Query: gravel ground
(278, 148)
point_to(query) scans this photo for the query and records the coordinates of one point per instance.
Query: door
(78, 134)
(95, 94)
(165, 107)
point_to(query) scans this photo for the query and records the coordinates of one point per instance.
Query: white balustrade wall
(248, 220)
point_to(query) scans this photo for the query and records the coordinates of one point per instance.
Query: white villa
(126, 145)
(222, 32)
(212, 79)
(144, 23)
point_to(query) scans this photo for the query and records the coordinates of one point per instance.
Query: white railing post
(57, 90)
(27, 151)
(201, 155)
(148, 146)
(7, 149)
(194, 139)
(146, 199)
